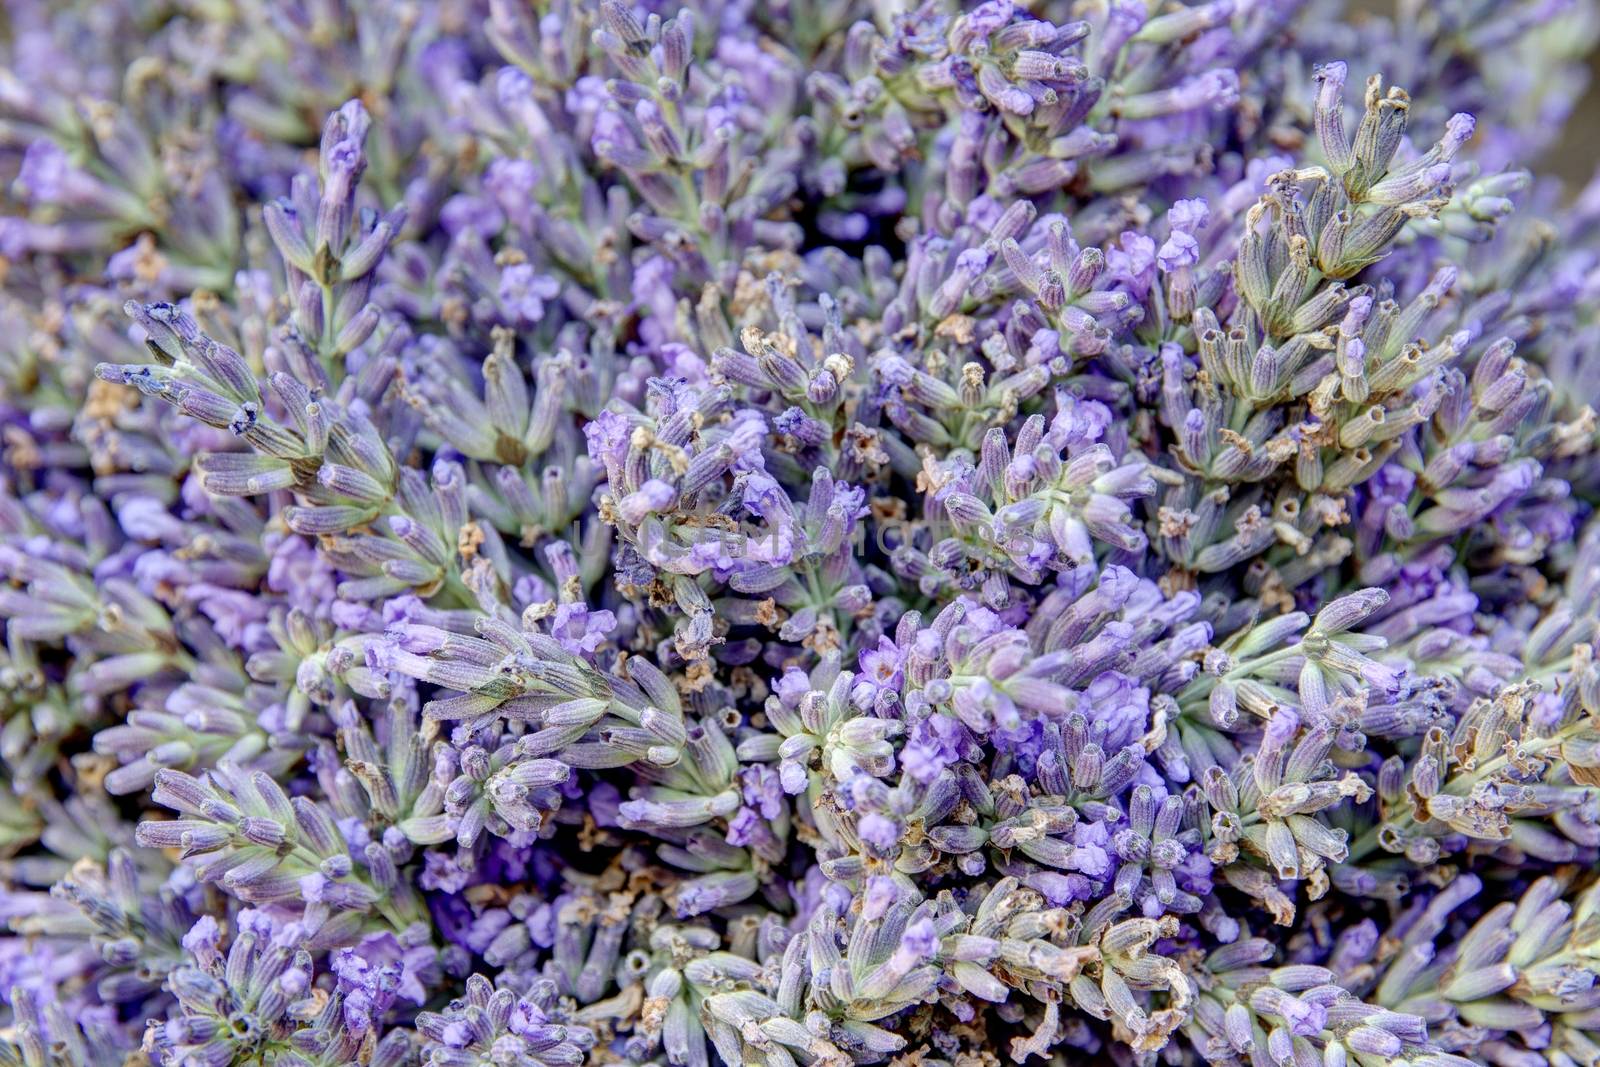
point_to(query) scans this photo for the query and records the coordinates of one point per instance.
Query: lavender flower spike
(809, 534)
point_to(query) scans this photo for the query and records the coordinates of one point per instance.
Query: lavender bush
(797, 533)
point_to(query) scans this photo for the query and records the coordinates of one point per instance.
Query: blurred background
(1574, 155)
(1575, 159)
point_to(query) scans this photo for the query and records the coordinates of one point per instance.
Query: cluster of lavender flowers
(797, 533)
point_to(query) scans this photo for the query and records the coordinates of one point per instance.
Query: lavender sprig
(812, 533)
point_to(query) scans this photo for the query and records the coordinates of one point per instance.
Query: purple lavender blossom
(797, 533)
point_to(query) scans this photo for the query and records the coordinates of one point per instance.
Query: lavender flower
(812, 533)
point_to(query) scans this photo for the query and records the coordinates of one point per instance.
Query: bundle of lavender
(800, 534)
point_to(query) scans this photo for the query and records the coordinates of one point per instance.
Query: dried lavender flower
(809, 533)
